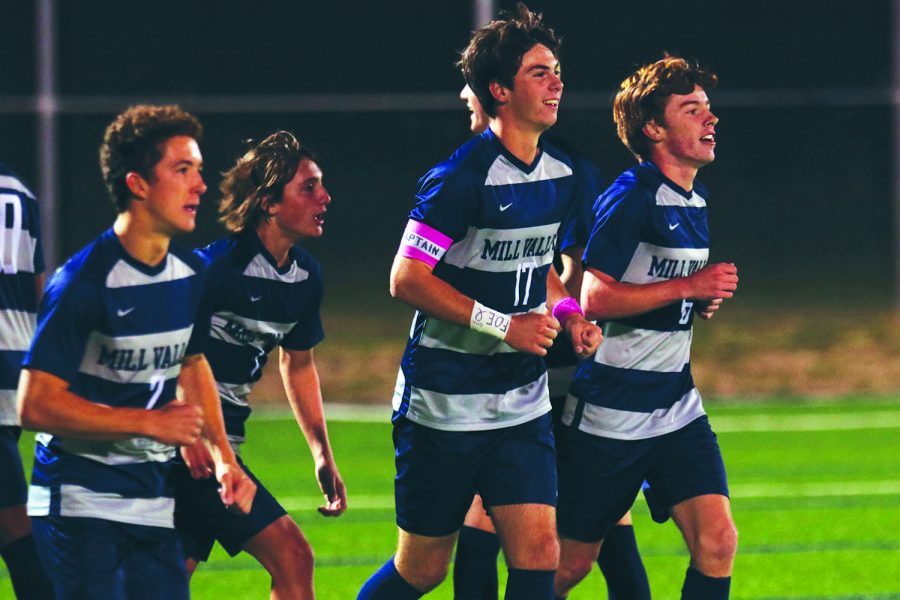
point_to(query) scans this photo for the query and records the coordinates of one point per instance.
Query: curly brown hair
(495, 51)
(133, 143)
(643, 95)
(259, 175)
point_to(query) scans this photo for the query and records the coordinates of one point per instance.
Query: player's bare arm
(585, 335)
(301, 383)
(603, 297)
(46, 404)
(413, 282)
(197, 386)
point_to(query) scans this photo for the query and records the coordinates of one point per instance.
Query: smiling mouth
(553, 103)
(711, 138)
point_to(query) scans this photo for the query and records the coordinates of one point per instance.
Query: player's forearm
(572, 272)
(604, 298)
(197, 385)
(303, 390)
(46, 405)
(413, 282)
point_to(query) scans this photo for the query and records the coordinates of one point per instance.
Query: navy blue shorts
(201, 518)
(13, 489)
(439, 471)
(599, 478)
(95, 559)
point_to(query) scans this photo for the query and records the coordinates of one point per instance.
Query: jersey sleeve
(69, 312)
(308, 331)
(445, 206)
(620, 216)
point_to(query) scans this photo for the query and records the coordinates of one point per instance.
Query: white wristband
(489, 321)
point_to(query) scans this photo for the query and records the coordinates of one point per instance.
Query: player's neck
(275, 242)
(521, 142)
(141, 241)
(676, 170)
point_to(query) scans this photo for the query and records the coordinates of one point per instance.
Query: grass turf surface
(815, 488)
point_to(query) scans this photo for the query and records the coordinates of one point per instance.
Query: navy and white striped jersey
(117, 331)
(21, 261)
(638, 384)
(498, 220)
(255, 305)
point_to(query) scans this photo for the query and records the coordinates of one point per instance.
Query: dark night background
(801, 189)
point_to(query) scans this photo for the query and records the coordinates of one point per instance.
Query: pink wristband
(566, 308)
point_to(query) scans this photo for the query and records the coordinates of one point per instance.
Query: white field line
(883, 419)
(750, 490)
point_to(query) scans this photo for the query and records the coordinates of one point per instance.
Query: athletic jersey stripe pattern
(638, 384)
(254, 305)
(117, 331)
(503, 218)
(20, 260)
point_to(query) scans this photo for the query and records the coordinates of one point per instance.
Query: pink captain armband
(424, 243)
(566, 308)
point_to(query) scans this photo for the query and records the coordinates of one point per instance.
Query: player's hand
(713, 281)
(177, 423)
(532, 332)
(706, 310)
(332, 487)
(585, 335)
(236, 489)
(198, 459)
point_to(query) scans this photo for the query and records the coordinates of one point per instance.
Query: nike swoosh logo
(124, 311)
(255, 298)
(502, 208)
(673, 227)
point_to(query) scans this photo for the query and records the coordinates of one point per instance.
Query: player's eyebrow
(687, 103)
(542, 68)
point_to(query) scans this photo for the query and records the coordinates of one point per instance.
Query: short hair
(133, 143)
(259, 174)
(495, 52)
(643, 95)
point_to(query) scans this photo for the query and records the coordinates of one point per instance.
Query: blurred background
(803, 189)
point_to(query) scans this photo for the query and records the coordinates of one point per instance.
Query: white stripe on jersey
(78, 501)
(124, 275)
(129, 451)
(666, 196)
(458, 338)
(18, 328)
(628, 425)
(11, 183)
(474, 412)
(651, 263)
(504, 250)
(503, 172)
(261, 268)
(644, 350)
(8, 413)
(135, 358)
(241, 331)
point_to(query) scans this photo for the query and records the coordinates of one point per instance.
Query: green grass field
(815, 491)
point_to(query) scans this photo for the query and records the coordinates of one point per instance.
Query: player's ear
(137, 185)
(269, 207)
(653, 131)
(499, 92)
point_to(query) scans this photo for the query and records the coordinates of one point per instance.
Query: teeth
(552, 102)
(708, 138)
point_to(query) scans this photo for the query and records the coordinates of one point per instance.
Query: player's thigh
(477, 517)
(703, 518)
(83, 557)
(423, 560)
(154, 566)
(281, 547)
(435, 480)
(599, 478)
(687, 464)
(13, 488)
(528, 535)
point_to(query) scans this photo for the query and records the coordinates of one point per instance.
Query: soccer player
(471, 403)
(264, 291)
(21, 284)
(475, 565)
(113, 347)
(633, 413)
